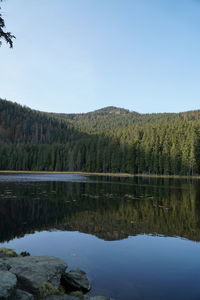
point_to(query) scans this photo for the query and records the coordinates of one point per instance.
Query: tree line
(100, 141)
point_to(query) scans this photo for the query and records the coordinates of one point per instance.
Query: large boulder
(33, 272)
(76, 280)
(3, 265)
(39, 277)
(8, 282)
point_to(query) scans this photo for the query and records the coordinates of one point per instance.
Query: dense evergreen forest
(106, 140)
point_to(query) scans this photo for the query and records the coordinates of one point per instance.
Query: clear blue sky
(81, 55)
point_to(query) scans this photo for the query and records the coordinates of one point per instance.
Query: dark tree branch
(6, 36)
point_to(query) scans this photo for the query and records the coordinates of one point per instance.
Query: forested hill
(111, 117)
(107, 140)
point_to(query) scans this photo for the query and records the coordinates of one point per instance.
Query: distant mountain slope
(110, 110)
(20, 124)
(107, 140)
(33, 140)
(110, 118)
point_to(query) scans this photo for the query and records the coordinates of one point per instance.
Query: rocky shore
(25, 277)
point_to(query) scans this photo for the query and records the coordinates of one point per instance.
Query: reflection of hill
(109, 211)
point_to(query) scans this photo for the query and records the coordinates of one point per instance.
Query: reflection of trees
(109, 211)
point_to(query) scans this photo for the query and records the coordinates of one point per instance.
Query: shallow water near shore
(137, 238)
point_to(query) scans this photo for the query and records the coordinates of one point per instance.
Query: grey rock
(33, 271)
(3, 265)
(76, 280)
(8, 282)
(22, 295)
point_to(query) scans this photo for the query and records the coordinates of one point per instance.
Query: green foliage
(107, 140)
(47, 289)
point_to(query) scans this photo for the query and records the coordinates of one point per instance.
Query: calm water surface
(136, 238)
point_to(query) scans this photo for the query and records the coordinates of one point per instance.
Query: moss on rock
(6, 252)
(46, 289)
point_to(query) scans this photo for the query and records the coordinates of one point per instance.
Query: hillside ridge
(104, 110)
(111, 139)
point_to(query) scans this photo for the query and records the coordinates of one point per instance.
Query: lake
(137, 238)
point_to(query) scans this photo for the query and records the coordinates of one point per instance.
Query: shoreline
(126, 175)
(27, 277)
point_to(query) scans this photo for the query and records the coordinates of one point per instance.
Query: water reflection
(111, 209)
